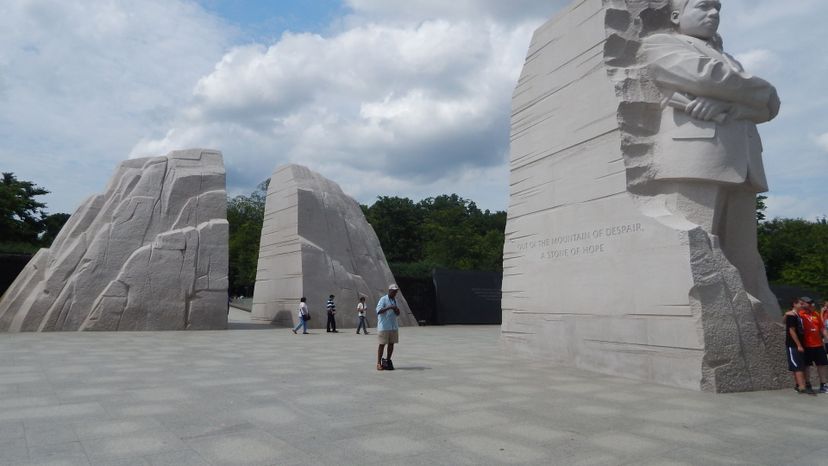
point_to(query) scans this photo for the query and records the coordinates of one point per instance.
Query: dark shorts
(816, 356)
(796, 360)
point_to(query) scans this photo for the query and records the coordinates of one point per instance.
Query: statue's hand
(707, 109)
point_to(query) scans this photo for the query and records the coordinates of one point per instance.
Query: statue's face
(700, 18)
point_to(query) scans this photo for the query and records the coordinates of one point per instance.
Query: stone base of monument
(599, 273)
(150, 253)
(315, 243)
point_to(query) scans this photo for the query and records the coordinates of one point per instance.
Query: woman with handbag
(304, 316)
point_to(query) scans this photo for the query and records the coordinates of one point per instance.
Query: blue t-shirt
(387, 320)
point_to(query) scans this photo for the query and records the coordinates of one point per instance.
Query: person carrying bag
(304, 316)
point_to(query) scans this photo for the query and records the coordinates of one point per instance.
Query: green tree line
(794, 250)
(444, 231)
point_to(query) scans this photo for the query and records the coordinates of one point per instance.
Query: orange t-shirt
(812, 325)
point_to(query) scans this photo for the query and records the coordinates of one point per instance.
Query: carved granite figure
(708, 155)
(631, 234)
(148, 254)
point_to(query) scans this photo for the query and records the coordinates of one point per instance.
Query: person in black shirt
(331, 315)
(794, 350)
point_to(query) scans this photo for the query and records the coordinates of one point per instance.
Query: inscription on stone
(584, 243)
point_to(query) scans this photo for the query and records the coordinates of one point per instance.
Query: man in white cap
(387, 327)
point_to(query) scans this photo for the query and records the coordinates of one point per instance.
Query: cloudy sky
(386, 97)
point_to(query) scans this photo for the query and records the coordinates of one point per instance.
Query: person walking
(361, 315)
(388, 330)
(331, 314)
(304, 316)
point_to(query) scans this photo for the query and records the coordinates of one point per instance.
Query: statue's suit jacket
(687, 148)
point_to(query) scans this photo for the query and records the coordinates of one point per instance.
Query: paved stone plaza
(260, 395)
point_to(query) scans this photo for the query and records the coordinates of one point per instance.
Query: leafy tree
(398, 224)
(459, 235)
(21, 216)
(245, 214)
(24, 225)
(52, 225)
(795, 252)
(761, 207)
(443, 231)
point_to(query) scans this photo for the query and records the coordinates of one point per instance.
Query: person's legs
(328, 324)
(799, 377)
(390, 350)
(304, 326)
(301, 323)
(821, 361)
(333, 323)
(807, 374)
(379, 356)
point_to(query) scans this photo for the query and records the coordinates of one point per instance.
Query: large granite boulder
(148, 254)
(316, 242)
(610, 263)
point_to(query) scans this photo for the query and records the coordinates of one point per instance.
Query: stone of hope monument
(635, 164)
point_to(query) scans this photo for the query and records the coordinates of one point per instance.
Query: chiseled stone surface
(604, 268)
(316, 242)
(148, 254)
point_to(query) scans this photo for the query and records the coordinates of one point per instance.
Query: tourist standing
(814, 332)
(388, 330)
(304, 316)
(361, 315)
(331, 314)
(794, 349)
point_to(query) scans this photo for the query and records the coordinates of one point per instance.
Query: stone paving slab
(267, 396)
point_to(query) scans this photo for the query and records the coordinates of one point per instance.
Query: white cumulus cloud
(396, 97)
(82, 82)
(403, 108)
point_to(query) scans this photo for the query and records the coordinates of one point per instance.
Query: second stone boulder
(316, 242)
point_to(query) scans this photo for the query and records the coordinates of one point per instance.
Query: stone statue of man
(707, 161)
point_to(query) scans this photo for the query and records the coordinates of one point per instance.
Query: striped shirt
(331, 306)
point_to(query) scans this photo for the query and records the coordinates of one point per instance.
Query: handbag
(305, 317)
